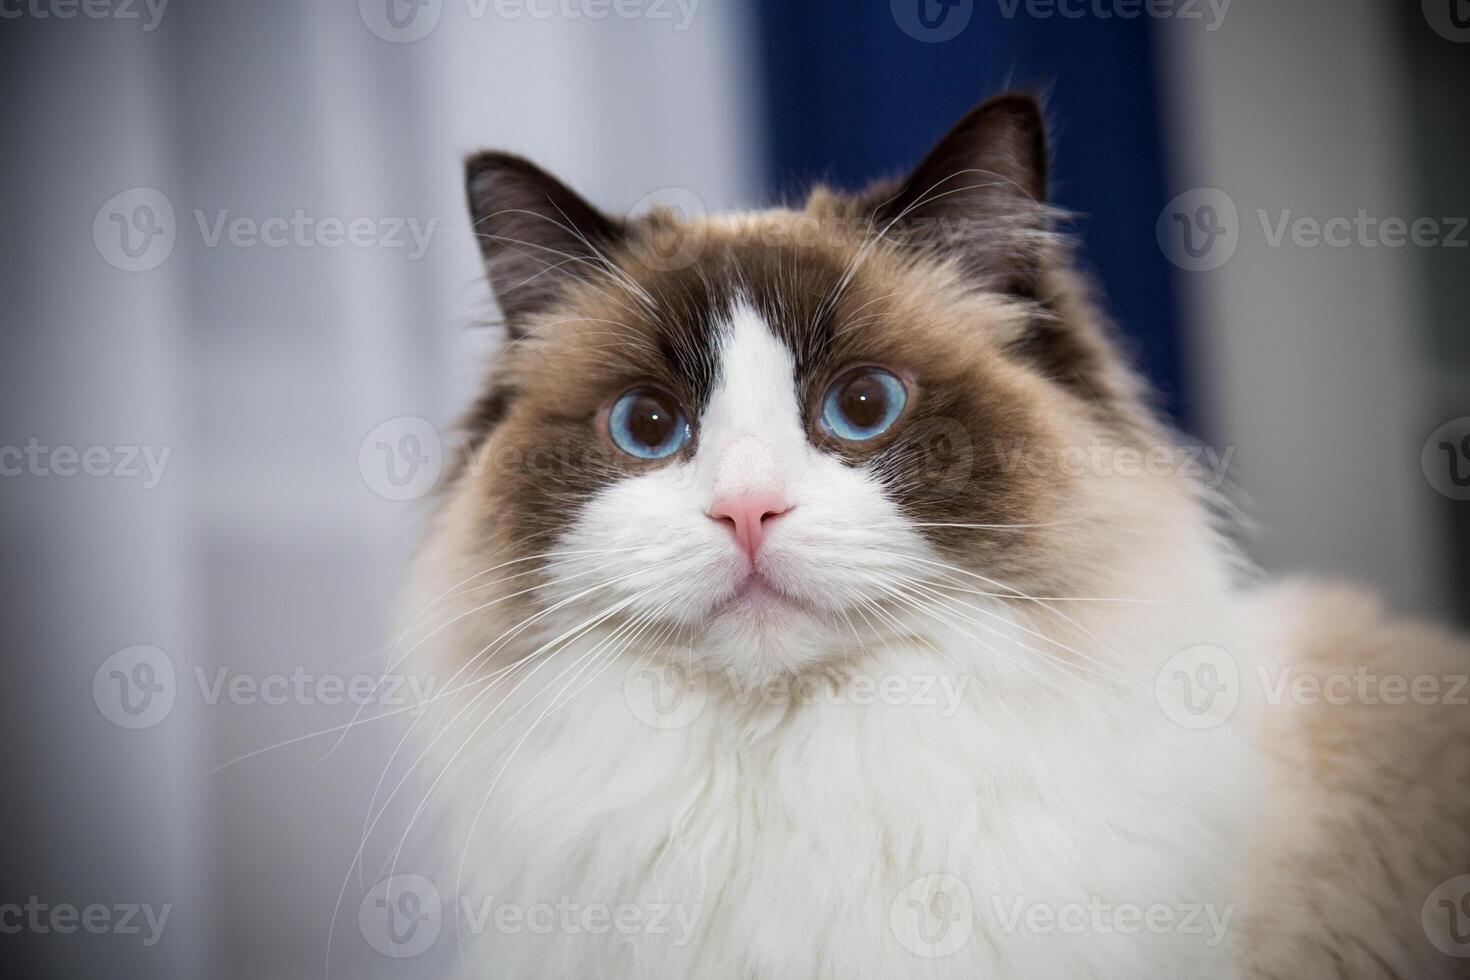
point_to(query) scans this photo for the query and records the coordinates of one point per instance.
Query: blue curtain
(858, 90)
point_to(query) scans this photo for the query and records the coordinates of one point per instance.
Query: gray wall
(1317, 363)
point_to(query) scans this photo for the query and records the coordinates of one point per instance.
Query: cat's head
(773, 435)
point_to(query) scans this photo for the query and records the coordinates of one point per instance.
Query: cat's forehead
(796, 293)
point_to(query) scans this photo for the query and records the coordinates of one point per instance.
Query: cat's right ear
(535, 233)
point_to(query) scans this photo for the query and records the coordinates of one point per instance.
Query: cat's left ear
(536, 234)
(979, 196)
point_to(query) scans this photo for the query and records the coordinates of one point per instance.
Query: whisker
(556, 643)
(451, 593)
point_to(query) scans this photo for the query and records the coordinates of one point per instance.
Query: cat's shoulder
(1366, 736)
(1324, 628)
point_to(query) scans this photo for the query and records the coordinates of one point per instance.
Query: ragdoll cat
(822, 598)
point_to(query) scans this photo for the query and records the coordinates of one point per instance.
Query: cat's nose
(746, 515)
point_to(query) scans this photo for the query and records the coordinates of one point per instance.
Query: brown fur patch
(1368, 797)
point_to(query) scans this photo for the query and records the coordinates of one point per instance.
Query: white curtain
(264, 549)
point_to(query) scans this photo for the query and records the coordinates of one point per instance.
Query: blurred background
(241, 304)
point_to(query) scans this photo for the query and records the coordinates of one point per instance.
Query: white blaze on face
(751, 435)
(830, 551)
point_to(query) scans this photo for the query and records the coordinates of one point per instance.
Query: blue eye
(863, 403)
(648, 423)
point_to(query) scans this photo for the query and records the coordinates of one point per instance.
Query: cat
(820, 595)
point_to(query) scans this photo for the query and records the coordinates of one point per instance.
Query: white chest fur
(937, 814)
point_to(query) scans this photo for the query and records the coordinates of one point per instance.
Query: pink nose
(747, 514)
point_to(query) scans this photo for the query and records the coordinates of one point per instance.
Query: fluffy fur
(933, 742)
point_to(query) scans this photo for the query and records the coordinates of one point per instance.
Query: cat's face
(786, 441)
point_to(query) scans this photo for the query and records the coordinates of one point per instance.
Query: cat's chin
(759, 633)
